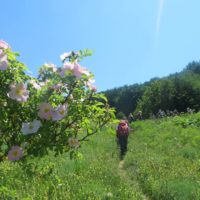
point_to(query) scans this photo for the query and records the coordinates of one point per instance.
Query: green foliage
(124, 99)
(174, 92)
(193, 67)
(82, 111)
(187, 121)
(120, 115)
(177, 91)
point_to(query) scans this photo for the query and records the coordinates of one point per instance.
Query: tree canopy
(176, 91)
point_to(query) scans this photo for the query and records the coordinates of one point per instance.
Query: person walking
(130, 118)
(122, 134)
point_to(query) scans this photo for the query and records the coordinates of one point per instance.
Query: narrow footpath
(134, 184)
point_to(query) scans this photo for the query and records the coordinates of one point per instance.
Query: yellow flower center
(46, 110)
(73, 142)
(62, 112)
(19, 92)
(31, 126)
(15, 153)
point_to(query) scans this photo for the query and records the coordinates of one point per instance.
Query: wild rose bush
(56, 111)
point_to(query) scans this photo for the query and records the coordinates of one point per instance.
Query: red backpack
(122, 129)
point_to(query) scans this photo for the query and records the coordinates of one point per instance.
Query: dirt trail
(123, 174)
(121, 167)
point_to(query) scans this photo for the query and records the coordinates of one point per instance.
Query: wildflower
(4, 45)
(51, 66)
(90, 85)
(15, 153)
(45, 111)
(109, 195)
(93, 88)
(78, 71)
(73, 142)
(18, 92)
(30, 127)
(3, 61)
(66, 68)
(91, 81)
(65, 55)
(35, 85)
(56, 86)
(60, 112)
(44, 83)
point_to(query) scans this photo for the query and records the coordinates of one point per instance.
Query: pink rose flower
(15, 153)
(60, 112)
(19, 92)
(66, 68)
(4, 45)
(56, 87)
(3, 61)
(45, 111)
(90, 85)
(35, 85)
(78, 71)
(51, 66)
(30, 127)
(65, 55)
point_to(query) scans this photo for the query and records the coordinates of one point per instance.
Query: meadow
(164, 156)
(162, 162)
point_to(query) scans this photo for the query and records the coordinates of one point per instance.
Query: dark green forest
(177, 91)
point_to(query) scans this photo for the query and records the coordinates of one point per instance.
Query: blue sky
(133, 40)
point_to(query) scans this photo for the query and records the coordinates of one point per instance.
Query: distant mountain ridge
(175, 91)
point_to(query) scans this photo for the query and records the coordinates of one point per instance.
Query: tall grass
(164, 156)
(94, 175)
(163, 162)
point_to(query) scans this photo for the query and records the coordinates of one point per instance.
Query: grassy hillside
(163, 162)
(164, 156)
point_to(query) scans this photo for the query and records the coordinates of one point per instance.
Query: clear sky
(133, 40)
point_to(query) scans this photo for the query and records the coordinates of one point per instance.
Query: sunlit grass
(165, 159)
(163, 162)
(94, 175)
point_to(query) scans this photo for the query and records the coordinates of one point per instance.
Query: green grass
(164, 157)
(163, 162)
(95, 175)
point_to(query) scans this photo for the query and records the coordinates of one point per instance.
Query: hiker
(139, 115)
(130, 118)
(122, 133)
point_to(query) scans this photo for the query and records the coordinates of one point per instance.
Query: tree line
(177, 91)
